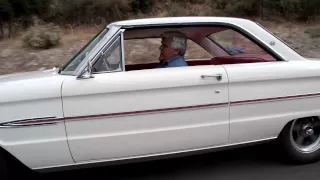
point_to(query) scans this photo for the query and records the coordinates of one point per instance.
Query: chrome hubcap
(308, 131)
(305, 135)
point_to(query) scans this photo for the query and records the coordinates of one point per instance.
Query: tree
(6, 15)
(141, 5)
(11, 10)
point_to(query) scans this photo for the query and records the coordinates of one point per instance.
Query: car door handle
(218, 76)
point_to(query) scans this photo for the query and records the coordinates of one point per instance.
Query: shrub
(290, 9)
(242, 8)
(176, 9)
(143, 6)
(81, 12)
(302, 9)
(42, 36)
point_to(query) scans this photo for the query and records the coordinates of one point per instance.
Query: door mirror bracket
(87, 73)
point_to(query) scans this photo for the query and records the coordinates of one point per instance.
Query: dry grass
(14, 57)
(313, 32)
(295, 35)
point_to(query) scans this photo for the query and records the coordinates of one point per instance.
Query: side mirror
(87, 73)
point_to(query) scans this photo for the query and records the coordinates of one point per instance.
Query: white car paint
(293, 86)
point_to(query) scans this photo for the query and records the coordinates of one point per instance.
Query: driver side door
(121, 114)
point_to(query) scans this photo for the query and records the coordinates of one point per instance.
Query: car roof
(176, 21)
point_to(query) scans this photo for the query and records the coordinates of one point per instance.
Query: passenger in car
(172, 50)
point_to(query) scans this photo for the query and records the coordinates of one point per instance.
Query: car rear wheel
(301, 140)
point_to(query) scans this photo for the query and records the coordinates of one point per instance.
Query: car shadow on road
(240, 159)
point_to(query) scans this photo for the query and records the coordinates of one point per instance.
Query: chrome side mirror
(87, 73)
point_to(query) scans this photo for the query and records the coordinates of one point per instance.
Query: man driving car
(172, 50)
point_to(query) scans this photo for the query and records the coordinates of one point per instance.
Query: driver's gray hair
(179, 40)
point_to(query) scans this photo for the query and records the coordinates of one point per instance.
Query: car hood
(27, 76)
(31, 86)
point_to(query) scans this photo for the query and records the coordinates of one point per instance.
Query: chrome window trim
(103, 52)
(103, 47)
(106, 48)
(103, 72)
(97, 38)
(122, 52)
(107, 36)
(113, 31)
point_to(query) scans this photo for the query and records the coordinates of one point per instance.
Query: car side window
(195, 51)
(110, 60)
(138, 51)
(235, 43)
(146, 50)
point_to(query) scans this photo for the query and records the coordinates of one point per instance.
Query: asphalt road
(259, 162)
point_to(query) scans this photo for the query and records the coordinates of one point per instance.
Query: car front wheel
(301, 140)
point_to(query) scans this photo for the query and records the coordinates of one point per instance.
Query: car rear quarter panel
(266, 96)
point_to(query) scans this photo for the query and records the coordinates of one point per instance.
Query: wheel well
(289, 122)
(12, 160)
(5, 152)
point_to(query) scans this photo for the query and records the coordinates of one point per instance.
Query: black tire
(294, 154)
(4, 170)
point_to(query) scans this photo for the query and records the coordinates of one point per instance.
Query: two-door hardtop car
(98, 108)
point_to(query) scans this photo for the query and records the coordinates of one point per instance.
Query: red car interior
(236, 60)
(198, 62)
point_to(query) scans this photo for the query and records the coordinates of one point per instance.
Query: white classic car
(111, 104)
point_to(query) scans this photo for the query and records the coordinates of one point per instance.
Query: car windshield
(78, 58)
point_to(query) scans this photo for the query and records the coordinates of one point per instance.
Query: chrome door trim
(122, 52)
(51, 120)
(274, 99)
